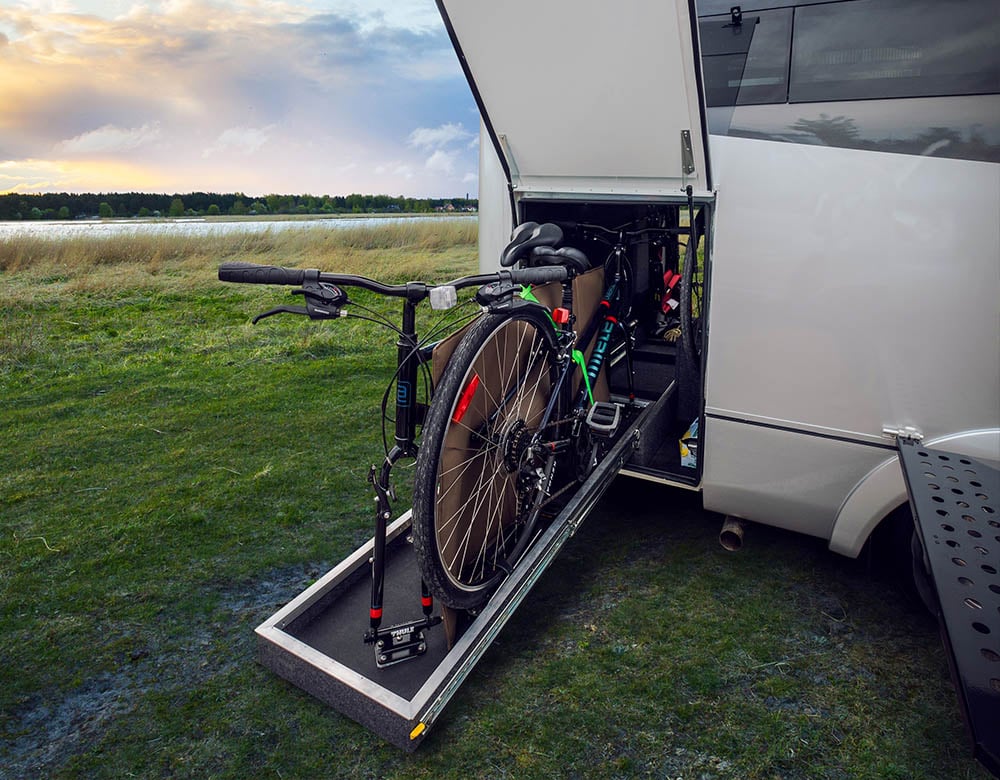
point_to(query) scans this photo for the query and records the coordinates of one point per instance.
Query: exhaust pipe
(731, 535)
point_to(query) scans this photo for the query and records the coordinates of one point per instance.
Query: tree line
(62, 205)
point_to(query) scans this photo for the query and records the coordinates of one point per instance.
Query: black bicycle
(516, 419)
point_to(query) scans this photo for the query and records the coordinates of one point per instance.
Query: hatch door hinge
(904, 433)
(687, 153)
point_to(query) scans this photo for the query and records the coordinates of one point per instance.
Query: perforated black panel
(956, 504)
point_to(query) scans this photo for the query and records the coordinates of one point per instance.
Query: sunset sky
(305, 96)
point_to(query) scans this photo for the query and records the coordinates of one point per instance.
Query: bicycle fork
(402, 641)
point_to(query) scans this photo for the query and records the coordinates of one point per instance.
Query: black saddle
(539, 241)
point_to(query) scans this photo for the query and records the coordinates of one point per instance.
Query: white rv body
(851, 293)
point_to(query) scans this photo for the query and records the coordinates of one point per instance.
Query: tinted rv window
(895, 48)
(746, 64)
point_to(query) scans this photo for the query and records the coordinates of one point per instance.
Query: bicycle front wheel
(487, 455)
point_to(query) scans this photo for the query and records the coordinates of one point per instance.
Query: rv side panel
(851, 291)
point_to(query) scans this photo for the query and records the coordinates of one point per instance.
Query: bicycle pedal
(603, 419)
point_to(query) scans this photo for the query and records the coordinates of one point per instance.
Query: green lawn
(170, 476)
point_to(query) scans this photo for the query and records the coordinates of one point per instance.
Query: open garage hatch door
(588, 98)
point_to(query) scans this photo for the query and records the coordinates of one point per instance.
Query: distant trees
(62, 205)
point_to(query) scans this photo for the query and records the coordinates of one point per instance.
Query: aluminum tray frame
(406, 722)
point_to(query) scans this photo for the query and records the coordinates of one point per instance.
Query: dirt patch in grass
(48, 729)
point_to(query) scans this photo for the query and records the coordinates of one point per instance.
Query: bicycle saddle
(567, 256)
(526, 237)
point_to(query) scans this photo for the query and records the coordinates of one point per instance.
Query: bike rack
(956, 507)
(315, 642)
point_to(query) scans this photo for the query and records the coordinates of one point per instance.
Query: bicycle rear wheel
(483, 468)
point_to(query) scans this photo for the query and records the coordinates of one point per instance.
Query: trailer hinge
(906, 433)
(687, 153)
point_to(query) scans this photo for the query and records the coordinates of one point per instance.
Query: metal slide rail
(956, 507)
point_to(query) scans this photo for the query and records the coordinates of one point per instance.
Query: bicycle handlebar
(614, 235)
(251, 273)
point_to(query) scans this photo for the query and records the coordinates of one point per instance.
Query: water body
(196, 227)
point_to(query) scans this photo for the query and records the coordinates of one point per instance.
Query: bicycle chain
(558, 493)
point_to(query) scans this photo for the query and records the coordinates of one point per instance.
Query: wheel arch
(882, 490)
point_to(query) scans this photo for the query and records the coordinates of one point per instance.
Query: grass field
(170, 475)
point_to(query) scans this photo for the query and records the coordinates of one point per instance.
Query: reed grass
(292, 247)
(393, 252)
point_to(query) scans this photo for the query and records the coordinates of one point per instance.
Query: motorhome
(846, 155)
(839, 163)
(844, 159)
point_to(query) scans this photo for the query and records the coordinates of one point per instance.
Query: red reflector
(465, 399)
(376, 614)
(426, 601)
(560, 316)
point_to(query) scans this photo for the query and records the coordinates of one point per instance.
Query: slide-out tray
(315, 641)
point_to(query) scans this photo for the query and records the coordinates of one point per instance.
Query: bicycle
(512, 425)
(516, 447)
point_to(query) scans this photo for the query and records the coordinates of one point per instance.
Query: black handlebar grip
(251, 273)
(544, 275)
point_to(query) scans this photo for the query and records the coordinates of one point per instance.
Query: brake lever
(323, 302)
(280, 310)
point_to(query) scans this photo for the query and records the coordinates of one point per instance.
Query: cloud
(243, 140)
(449, 144)
(442, 162)
(111, 139)
(31, 175)
(199, 87)
(438, 137)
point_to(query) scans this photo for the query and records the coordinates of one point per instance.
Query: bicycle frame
(601, 323)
